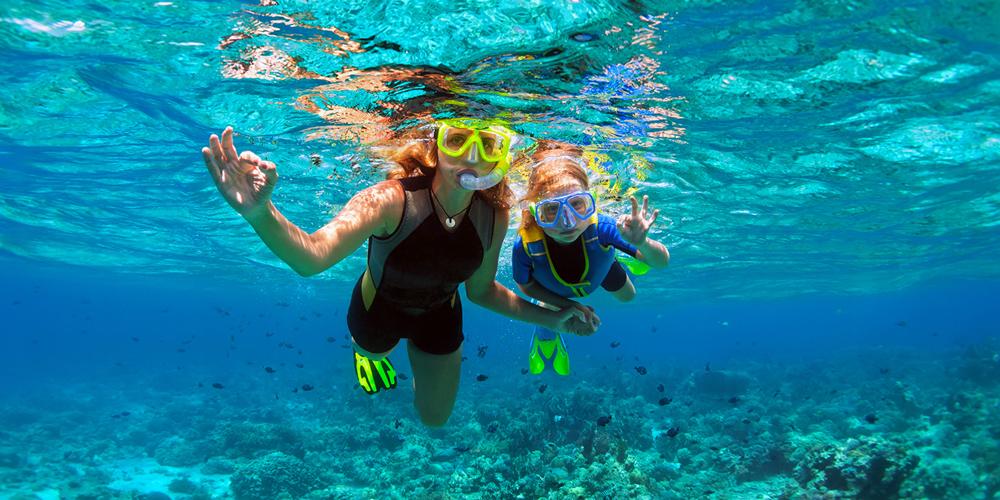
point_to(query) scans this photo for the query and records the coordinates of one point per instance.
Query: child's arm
(653, 253)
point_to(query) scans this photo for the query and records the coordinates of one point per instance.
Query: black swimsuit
(416, 271)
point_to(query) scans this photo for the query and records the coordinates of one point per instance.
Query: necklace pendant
(450, 222)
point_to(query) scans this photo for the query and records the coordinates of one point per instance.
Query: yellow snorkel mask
(479, 139)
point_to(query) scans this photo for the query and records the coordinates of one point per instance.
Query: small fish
(603, 421)
(482, 351)
(276, 395)
(181, 349)
(268, 369)
(462, 448)
(331, 339)
(652, 329)
(281, 304)
(481, 378)
(492, 427)
(660, 388)
(232, 338)
(734, 400)
(713, 448)
(299, 365)
(583, 37)
(269, 334)
(135, 339)
(673, 432)
(307, 387)
(641, 370)
(746, 421)
(883, 371)
(403, 376)
(901, 323)
(871, 418)
(295, 390)
(397, 424)
(665, 401)
(524, 371)
(218, 385)
(201, 384)
(708, 366)
(615, 344)
(541, 388)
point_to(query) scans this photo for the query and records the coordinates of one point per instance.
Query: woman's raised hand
(245, 181)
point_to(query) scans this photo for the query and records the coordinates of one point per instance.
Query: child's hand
(635, 226)
(245, 181)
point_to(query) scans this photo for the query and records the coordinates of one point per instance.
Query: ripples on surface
(791, 146)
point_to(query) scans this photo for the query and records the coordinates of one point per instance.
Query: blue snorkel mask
(565, 211)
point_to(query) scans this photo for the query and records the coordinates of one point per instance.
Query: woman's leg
(435, 383)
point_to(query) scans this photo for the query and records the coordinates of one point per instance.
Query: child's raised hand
(635, 226)
(245, 181)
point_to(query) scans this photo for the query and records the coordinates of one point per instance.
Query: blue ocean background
(827, 177)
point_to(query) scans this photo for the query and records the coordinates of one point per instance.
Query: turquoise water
(826, 173)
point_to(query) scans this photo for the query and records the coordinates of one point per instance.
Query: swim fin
(553, 350)
(374, 375)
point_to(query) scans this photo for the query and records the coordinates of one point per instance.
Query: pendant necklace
(450, 219)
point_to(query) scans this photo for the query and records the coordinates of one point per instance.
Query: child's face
(563, 233)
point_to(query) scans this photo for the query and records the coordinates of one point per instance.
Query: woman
(567, 249)
(437, 222)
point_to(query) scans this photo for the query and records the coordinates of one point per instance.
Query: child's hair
(418, 156)
(552, 162)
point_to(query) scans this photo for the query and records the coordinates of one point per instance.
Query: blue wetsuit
(536, 257)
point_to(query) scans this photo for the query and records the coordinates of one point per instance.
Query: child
(567, 250)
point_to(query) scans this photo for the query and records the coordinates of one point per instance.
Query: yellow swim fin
(374, 375)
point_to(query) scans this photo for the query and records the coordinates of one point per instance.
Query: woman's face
(561, 232)
(451, 167)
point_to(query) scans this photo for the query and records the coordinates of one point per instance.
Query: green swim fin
(374, 375)
(546, 350)
(634, 265)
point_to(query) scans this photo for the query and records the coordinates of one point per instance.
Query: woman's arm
(538, 292)
(368, 212)
(483, 289)
(246, 183)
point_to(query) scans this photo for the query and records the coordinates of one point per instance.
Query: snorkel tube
(473, 182)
